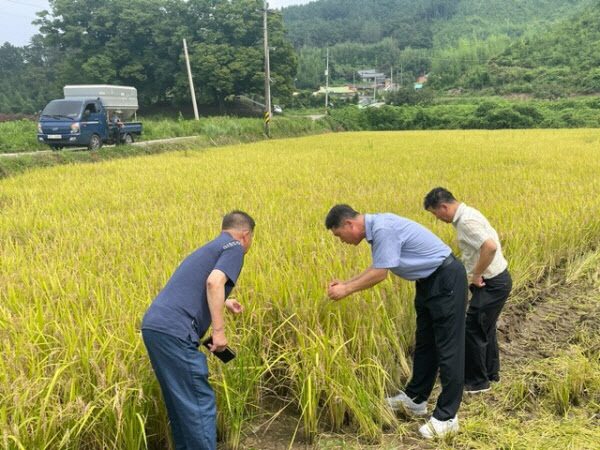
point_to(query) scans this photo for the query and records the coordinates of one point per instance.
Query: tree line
(546, 48)
(452, 40)
(139, 43)
(562, 61)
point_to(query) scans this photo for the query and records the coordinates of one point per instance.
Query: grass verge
(211, 133)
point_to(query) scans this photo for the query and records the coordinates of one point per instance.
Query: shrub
(410, 96)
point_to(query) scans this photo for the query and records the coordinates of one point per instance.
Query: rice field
(85, 248)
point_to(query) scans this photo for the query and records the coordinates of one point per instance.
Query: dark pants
(182, 373)
(482, 361)
(440, 302)
(116, 133)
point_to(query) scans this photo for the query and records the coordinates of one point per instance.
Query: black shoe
(476, 389)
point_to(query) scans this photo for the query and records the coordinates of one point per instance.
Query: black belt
(446, 262)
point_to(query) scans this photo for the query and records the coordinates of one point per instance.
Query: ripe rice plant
(85, 248)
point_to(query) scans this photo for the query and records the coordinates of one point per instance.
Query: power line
(435, 58)
(24, 3)
(3, 13)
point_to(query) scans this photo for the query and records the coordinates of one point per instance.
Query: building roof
(337, 90)
(373, 75)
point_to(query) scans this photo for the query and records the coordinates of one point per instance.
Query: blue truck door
(93, 121)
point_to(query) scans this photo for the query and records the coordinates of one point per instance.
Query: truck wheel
(95, 142)
(128, 139)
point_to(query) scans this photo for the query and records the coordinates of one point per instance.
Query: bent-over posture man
(195, 296)
(413, 252)
(490, 283)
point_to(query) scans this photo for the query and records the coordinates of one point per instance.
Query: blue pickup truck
(86, 117)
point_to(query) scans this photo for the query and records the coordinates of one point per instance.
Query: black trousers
(482, 360)
(440, 302)
(115, 132)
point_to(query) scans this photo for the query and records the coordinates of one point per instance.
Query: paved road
(72, 149)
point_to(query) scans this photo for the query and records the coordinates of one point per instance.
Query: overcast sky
(16, 17)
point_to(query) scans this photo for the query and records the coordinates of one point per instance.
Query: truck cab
(85, 121)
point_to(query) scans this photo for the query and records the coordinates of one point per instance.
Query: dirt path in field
(529, 330)
(548, 323)
(74, 149)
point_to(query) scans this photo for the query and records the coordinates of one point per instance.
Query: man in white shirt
(489, 282)
(115, 125)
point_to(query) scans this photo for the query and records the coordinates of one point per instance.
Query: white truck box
(122, 99)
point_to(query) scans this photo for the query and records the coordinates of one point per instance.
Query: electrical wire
(26, 4)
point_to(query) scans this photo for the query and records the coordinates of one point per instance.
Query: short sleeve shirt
(472, 230)
(181, 307)
(403, 246)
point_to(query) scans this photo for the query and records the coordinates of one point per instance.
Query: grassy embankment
(85, 248)
(20, 137)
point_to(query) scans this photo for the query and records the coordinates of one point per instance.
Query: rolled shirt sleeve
(473, 229)
(231, 260)
(474, 233)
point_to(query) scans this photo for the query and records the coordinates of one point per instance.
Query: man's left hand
(234, 306)
(477, 280)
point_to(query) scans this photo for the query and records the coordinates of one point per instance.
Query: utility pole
(401, 80)
(189, 72)
(267, 73)
(375, 90)
(327, 82)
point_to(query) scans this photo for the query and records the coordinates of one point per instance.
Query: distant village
(370, 82)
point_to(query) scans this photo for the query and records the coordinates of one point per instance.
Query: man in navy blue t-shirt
(193, 298)
(410, 251)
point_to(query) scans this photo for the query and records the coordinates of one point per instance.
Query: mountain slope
(419, 24)
(564, 60)
(453, 40)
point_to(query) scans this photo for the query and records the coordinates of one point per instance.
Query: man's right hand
(334, 283)
(338, 292)
(219, 342)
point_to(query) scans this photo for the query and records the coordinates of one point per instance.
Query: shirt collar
(368, 227)
(459, 211)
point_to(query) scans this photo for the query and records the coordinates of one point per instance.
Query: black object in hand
(225, 356)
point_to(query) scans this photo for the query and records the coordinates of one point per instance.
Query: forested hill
(563, 60)
(417, 23)
(452, 41)
(482, 18)
(328, 22)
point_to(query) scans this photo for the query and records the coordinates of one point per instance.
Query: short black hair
(437, 196)
(338, 214)
(237, 219)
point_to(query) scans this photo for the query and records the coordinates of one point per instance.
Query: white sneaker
(403, 400)
(434, 427)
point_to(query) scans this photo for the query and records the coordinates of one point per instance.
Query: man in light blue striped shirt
(412, 252)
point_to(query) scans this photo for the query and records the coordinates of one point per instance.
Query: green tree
(139, 43)
(27, 71)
